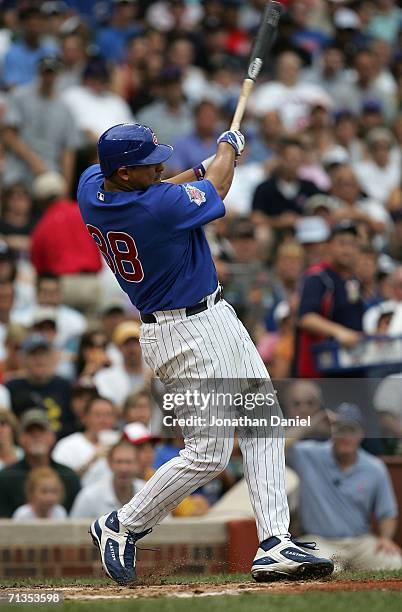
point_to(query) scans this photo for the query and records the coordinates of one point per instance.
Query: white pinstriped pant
(211, 345)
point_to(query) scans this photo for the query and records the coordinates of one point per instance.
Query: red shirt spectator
(61, 243)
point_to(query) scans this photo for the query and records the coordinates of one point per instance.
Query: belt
(190, 310)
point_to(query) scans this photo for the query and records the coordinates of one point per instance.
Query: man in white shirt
(354, 206)
(380, 174)
(92, 105)
(85, 451)
(289, 96)
(118, 381)
(113, 490)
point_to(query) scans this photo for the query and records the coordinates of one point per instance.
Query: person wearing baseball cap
(353, 486)
(140, 436)
(123, 378)
(346, 19)
(313, 233)
(331, 304)
(36, 438)
(137, 434)
(34, 416)
(41, 383)
(51, 145)
(44, 322)
(144, 442)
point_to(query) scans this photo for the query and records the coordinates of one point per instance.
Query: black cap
(343, 113)
(28, 11)
(96, 68)
(344, 227)
(372, 106)
(170, 74)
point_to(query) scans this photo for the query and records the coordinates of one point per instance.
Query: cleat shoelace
(309, 545)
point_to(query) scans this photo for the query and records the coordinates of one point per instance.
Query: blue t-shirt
(153, 239)
(21, 62)
(112, 42)
(336, 503)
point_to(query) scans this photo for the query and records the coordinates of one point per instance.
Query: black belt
(190, 310)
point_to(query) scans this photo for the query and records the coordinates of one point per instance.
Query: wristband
(201, 169)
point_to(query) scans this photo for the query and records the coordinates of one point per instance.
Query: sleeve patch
(195, 195)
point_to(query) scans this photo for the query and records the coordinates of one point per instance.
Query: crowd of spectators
(310, 249)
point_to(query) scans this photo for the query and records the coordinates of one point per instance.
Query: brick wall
(48, 561)
(51, 549)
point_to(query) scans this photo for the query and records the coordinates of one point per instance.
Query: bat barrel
(263, 43)
(265, 38)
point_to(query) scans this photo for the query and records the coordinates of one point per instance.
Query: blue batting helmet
(130, 144)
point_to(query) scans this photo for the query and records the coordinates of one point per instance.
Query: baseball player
(151, 234)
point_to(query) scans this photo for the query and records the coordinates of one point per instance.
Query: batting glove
(234, 138)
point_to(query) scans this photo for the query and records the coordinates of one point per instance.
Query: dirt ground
(90, 592)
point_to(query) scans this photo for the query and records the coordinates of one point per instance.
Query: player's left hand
(234, 138)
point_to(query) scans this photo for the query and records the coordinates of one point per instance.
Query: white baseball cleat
(117, 547)
(282, 558)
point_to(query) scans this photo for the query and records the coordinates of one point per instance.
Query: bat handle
(246, 89)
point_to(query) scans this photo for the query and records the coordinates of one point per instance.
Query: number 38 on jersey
(120, 253)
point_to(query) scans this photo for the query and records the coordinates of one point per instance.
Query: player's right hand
(234, 138)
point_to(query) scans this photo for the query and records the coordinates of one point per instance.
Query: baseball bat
(262, 45)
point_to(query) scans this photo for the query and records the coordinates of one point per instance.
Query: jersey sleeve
(190, 205)
(87, 175)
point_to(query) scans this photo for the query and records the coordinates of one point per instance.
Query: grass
(187, 579)
(375, 601)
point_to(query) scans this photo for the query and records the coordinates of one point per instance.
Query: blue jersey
(153, 239)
